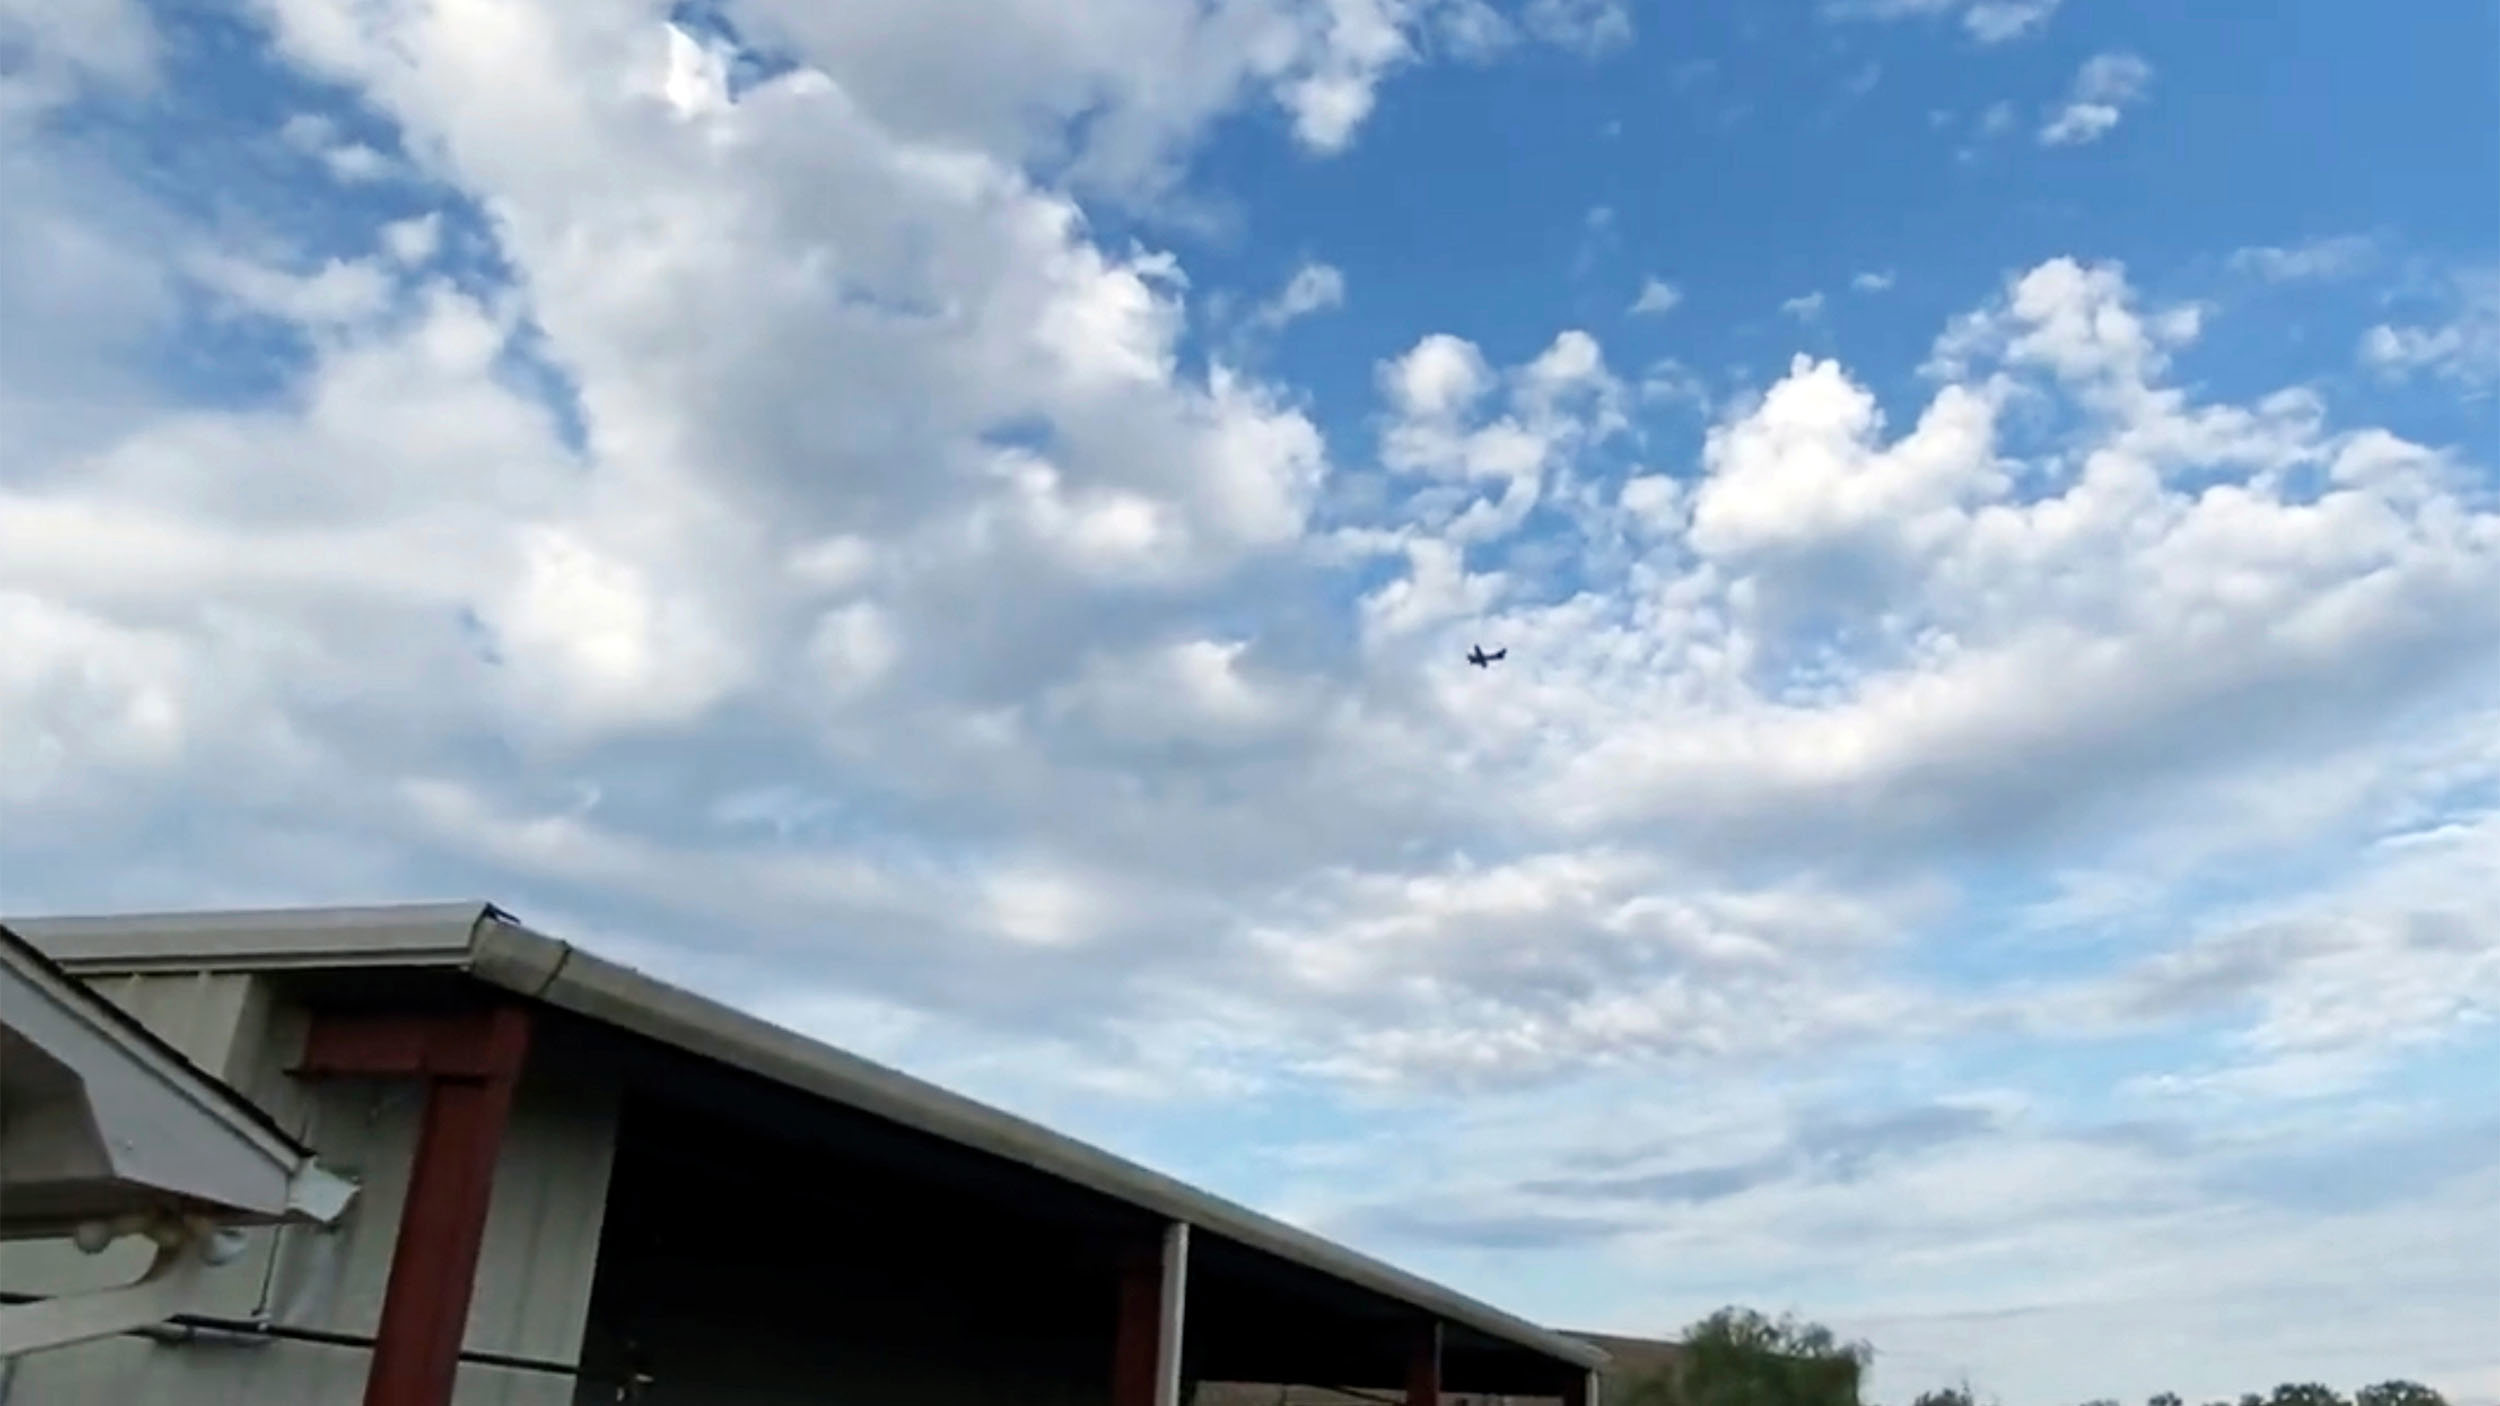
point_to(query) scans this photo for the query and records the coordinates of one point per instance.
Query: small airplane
(1482, 660)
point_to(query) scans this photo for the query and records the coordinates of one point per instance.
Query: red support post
(471, 1064)
(1153, 1301)
(1136, 1340)
(1423, 1367)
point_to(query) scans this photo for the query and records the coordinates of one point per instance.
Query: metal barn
(577, 1184)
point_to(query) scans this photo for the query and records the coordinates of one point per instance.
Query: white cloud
(1872, 281)
(1656, 296)
(350, 162)
(1987, 21)
(414, 241)
(2181, 1238)
(88, 699)
(340, 291)
(942, 639)
(2339, 979)
(1438, 378)
(1805, 307)
(2079, 124)
(1995, 21)
(58, 46)
(2318, 259)
(1017, 639)
(1358, 43)
(591, 636)
(1589, 26)
(1363, 42)
(1198, 691)
(1801, 471)
(1561, 402)
(1671, 380)
(1313, 288)
(1473, 29)
(2462, 347)
(2104, 88)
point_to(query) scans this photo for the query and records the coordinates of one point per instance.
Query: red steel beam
(1423, 1366)
(1153, 1308)
(1137, 1337)
(471, 1064)
(467, 1045)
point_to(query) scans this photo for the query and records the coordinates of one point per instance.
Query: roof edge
(265, 939)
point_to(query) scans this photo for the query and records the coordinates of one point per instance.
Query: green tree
(1945, 1396)
(2398, 1393)
(2305, 1394)
(1738, 1357)
(2164, 1398)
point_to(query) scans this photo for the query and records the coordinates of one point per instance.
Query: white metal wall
(534, 1274)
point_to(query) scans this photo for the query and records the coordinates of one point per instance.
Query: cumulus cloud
(1872, 281)
(2104, 88)
(1824, 638)
(1479, 466)
(814, 557)
(1805, 307)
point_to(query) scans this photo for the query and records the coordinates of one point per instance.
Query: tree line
(1739, 1357)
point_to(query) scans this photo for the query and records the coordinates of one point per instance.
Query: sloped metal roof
(491, 945)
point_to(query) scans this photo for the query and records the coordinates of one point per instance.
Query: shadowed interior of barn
(913, 1269)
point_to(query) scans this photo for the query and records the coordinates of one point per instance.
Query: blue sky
(954, 526)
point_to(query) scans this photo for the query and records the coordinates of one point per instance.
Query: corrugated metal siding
(534, 1274)
(542, 1228)
(542, 1233)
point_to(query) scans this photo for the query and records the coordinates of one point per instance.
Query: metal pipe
(1172, 1314)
